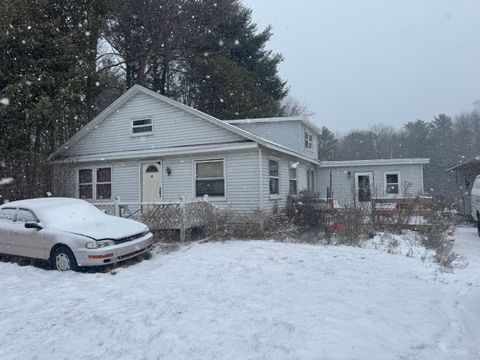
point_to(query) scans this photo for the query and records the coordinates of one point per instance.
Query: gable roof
(302, 119)
(130, 93)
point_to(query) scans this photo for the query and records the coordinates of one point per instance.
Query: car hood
(104, 227)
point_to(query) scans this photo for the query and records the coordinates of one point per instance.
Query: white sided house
(147, 148)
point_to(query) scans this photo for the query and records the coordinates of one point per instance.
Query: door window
(364, 188)
(8, 214)
(25, 216)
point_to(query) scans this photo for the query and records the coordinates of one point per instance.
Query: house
(148, 148)
(364, 180)
(465, 174)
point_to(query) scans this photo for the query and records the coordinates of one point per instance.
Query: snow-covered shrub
(435, 238)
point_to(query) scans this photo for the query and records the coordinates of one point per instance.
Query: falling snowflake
(220, 42)
(5, 101)
(87, 33)
(97, 83)
(237, 42)
(6, 181)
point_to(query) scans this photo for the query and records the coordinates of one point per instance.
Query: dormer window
(142, 127)
(308, 140)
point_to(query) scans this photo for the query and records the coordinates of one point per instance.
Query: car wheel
(63, 259)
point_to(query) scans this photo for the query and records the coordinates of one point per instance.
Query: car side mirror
(33, 225)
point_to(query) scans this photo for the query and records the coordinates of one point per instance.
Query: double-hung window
(308, 140)
(274, 177)
(210, 178)
(85, 184)
(392, 183)
(142, 127)
(95, 183)
(293, 179)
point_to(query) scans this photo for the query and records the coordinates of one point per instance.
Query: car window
(24, 215)
(8, 214)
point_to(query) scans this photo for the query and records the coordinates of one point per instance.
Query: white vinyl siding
(411, 180)
(287, 133)
(172, 127)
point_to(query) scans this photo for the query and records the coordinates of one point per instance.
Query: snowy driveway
(246, 300)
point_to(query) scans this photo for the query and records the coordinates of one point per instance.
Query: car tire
(478, 226)
(63, 259)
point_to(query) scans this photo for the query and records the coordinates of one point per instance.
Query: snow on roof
(138, 88)
(276, 119)
(374, 162)
(471, 162)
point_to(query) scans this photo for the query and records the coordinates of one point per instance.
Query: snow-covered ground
(248, 300)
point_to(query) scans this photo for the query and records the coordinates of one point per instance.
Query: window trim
(194, 182)
(274, 196)
(95, 183)
(313, 188)
(306, 139)
(290, 179)
(399, 179)
(90, 183)
(151, 132)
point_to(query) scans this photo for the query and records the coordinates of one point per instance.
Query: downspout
(260, 176)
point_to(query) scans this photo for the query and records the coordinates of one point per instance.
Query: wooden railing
(180, 215)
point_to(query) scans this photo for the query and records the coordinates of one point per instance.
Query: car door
(27, 242)
(7, 228)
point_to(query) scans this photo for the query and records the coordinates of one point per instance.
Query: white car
(69, 233)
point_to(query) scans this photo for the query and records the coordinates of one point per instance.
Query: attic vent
(143, 126)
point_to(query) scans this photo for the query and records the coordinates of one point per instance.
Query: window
(274, 178)
(143, 126)
(293, 179)
(311, 180)
(104, 183)
(25, 215)
(210, 178)
(308, 140)
(99, 188)
(8, 214)
(85, 184)
(392, 183)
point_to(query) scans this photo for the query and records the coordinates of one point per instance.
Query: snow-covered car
(69, 233)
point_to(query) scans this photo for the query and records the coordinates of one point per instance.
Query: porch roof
(465, 165)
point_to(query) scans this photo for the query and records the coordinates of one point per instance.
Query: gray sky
(358, 63)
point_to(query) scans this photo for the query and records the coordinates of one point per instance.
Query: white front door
(364, 186)
(152, 182)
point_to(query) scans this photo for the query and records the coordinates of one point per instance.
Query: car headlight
(91, 245)
(99, 244)
(105, 243)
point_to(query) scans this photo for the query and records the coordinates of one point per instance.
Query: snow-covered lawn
(248, 300)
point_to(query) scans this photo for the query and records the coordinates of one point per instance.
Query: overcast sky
(360, 63)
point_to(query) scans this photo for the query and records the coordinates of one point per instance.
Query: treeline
(445, 140)
(63, 61)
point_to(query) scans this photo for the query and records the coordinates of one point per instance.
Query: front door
(363, 186)
(152, 182)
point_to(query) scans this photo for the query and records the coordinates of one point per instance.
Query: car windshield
(78, 211)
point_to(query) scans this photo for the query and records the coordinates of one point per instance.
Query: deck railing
(181, 215)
